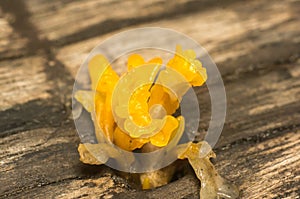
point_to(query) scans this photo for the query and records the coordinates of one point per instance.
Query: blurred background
(255, 45)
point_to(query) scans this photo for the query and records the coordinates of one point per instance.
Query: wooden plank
(11, 44)
(267, 166)
(218, 30)
(268, 169)
(22, 80)
(258, 57)
(51, 21)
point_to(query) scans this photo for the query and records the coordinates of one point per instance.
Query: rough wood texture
(255, 45)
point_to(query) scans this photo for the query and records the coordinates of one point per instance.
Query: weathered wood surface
(254, 43)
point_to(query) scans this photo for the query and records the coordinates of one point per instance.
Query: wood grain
(254, 43)
(18, 83)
